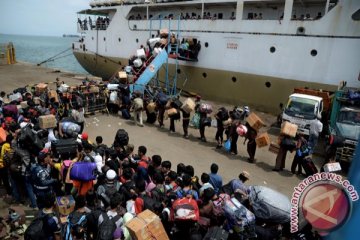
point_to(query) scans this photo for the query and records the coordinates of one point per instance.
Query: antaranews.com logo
(324, 200)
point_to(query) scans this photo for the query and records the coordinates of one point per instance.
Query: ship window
(272, 49)
(204, 75)
(105, 60)
(220, 16)
(153, 35)
(313, 52)
(137, 40)
(356, 15)
(92, 38)
(104, 39)
(135, 27)
(178, 71)
(300, 31)
(268, 84)
(84, 47)
(206, 44)
(233, 79)
(94, 59)
(119, 39)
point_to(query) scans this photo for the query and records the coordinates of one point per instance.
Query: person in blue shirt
(187, 190)
(215, 179)
(238, 185)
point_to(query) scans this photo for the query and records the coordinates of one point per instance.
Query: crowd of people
(113, 184)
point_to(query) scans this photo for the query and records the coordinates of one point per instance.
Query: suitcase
(64, 146)
(309, 166)
(216, 233)
(125, 113)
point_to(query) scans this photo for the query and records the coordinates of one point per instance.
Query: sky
(40, 17)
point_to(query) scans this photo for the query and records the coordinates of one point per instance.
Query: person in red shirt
(139, 201)
(144, 160)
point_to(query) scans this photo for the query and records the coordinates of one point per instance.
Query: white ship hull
(246, 61)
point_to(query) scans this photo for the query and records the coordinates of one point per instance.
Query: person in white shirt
(315, 129)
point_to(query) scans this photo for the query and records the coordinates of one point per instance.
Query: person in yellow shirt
(5, 150)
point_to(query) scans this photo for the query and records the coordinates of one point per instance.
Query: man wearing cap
(238, 185)
(40, 174)
(106, 191)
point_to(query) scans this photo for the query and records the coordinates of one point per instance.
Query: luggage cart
(95, 102)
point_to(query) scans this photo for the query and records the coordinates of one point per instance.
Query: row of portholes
(313, 52)
(233, 79)
(137, 41)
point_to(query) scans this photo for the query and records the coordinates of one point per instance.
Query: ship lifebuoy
(151, 67)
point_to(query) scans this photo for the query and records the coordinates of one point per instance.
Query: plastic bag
(227, 145)
(195, 120)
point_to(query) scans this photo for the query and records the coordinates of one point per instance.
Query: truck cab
(345, 124)
(302, 110)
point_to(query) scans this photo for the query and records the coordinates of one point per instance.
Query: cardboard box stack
(147, 226)
(47, 121)
(254, 121)
(289, 129)
(262, 140)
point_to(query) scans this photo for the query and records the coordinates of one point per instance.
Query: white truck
(304, 105)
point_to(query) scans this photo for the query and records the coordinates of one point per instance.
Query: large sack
(270, 205)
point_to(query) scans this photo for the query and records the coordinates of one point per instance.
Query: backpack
(75, 226)
(223, 114)
(110, 191)
(122, 137)
(92, 221)
(149, 203)
(158, 194)
(185, 209)
(37, 229)
(162, 98)
(107, 227)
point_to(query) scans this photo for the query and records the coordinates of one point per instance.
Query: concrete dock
(171, 146)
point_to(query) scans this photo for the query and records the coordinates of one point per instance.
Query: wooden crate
(262, 140)
(274, 148)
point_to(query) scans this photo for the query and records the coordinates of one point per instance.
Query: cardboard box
(123, 75)
(262, 140)
(151, 107)
(288, 129)
(146, 226)
(188, 105)
(47, 121)
(164, 32)
(53, 94)
(65, 204)
(254, 121)
(274, 148)
(94, 89)
(171, 112)
(41, 87)
(24, 104)
(332, 167)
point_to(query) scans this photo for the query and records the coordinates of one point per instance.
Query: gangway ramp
(150, 72)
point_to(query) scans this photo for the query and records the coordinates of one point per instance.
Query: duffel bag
(83, 171)
(185, 209)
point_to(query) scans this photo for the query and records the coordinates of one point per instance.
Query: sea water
(36, 49)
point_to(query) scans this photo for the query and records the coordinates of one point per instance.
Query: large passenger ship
(252, 52)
